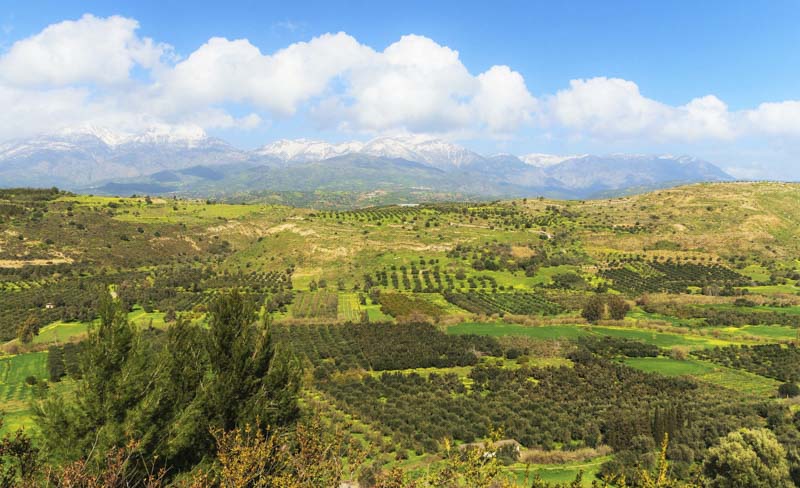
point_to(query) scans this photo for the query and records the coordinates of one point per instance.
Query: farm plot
(316, 305)
(500, 329)
(770, 360)
(640, 277)
(734, 379)
(517, 303)
(349, 307)
(660, 339)
(15, 393)
(382, 346)
(400, 305)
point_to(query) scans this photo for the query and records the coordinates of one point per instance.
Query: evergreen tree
(168, 393)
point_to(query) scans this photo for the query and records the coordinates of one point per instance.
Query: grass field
(61, 332)
(558, 473)
(756, 272)
(15, 394)
(544, 276)
(660, 339)
(670, 367)
(499, 329)
(773, 289)
(733, 379)
(774, 332)
(349, 308)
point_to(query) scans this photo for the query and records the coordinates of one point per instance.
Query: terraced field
(15, 393)
(349, 308)
(733, 379)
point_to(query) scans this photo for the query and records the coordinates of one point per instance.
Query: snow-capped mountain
(421, 149)
(186, 157)
(78, 157)
(544, 160)
(305, 150)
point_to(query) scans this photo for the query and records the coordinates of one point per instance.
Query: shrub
(789, 390)
(594, 309)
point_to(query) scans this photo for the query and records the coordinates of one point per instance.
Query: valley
(575, 336)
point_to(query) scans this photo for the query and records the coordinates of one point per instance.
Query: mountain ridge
(91, 157)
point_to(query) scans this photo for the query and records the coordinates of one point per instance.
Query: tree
(114, 378)
(169, 315)
(55, 363)
(617, 307)
(594, 309)
(166, 393)
(747, 458)
(788, 390)
(28, 330)
(569, 281)
(19, 459)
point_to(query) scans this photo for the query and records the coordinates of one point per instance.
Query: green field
(756, 272)
(660, 339)
(773, 289)
(773, 332)
(349, 308)
(15, 394)
(550, 332)
(733, 379)
(61, 332)
(671, 367)
(559, 473)
(499, 329)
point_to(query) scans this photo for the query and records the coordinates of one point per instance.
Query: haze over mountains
(189, 162)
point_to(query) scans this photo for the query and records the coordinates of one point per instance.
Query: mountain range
(161, 161)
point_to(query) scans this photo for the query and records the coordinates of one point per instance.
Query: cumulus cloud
(503, 100)
(222, 71)
(100, 71)
(90, 49)
(417, 85)
(612, 107)
(782, 118)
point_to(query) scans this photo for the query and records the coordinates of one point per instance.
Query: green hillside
(570, 327)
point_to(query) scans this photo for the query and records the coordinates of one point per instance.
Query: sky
(713, 79)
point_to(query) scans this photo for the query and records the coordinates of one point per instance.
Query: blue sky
(680, 77)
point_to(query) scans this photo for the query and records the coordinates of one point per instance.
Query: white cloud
(80, 72)
(417, 85)
(503, 102)
(90, 49)
(781, 118)
(612, 107)
(223, 71)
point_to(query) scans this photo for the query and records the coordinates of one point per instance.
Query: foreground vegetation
(177, 342)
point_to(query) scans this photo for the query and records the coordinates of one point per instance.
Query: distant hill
(160, 161)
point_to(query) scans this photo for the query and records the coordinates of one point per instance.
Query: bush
(594, 309)
(680, 353)
(788, 390)
(618, 308)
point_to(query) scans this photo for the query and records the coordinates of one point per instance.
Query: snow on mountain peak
(107, 136)
(418, 148)
(544, 160)
(171, 134)
(155, 134)
(305, 150)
